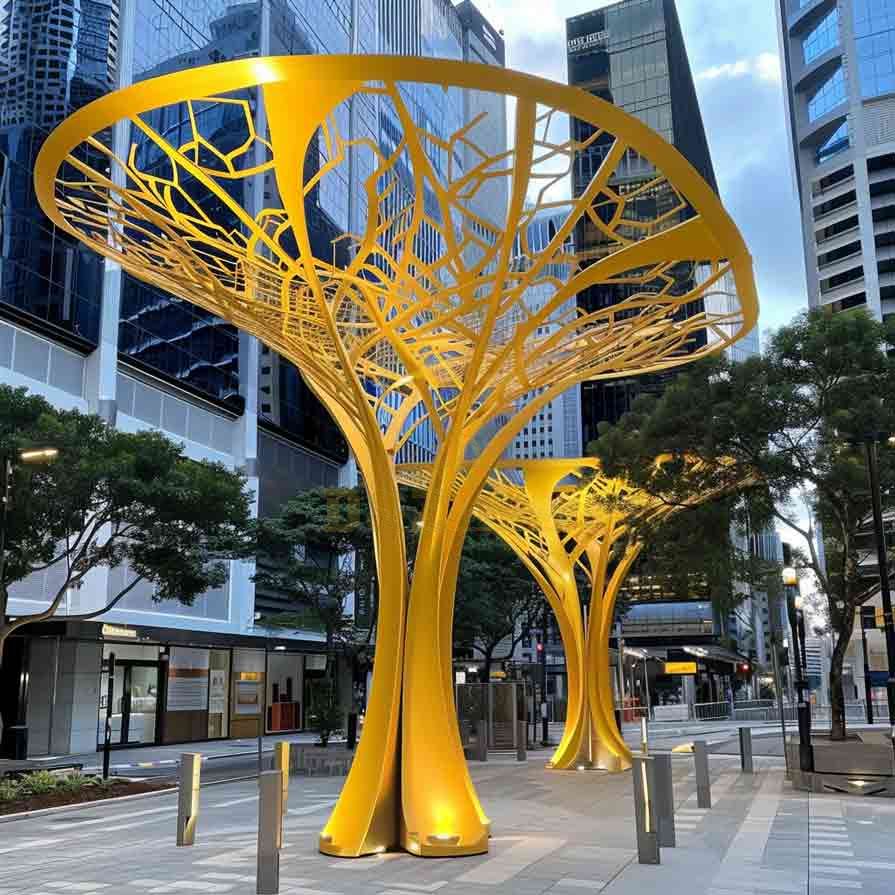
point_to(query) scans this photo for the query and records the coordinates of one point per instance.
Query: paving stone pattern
(558, 833)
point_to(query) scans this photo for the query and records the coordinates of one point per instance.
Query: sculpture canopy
(435, 313)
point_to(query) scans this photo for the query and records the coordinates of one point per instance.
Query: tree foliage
(112, 499)
(317, 554)
(798, 418)
(497, 598)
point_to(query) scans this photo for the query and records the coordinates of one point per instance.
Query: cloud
(765, 67)
(732, 47)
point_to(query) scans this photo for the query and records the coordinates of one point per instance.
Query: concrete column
(102, 364)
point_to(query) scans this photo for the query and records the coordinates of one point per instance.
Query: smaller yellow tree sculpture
(559, 516)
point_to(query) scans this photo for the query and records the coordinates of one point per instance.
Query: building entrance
(135, 702)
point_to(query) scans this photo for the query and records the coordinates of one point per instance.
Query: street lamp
(796, 615)
(9, 461)
(872, 448)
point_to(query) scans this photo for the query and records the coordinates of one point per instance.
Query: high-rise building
(84, 335)
(632, 54)
(839, 72)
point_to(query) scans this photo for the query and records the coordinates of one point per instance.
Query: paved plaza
(558, 833)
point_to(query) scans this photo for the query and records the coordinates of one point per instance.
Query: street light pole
(868, 690)
(797, 629)
(885, 592)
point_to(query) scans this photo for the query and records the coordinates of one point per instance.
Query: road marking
(28, 843)
(252, 798)
(310, 809)
(419, 887)
(76, 825)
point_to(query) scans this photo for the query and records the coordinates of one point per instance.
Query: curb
(78, 806)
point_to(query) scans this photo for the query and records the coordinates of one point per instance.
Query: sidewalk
(164, 756)
(561, 833)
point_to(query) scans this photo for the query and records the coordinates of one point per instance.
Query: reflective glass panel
(824, 37)
(838, 141)
(829, 95)
(875, 43)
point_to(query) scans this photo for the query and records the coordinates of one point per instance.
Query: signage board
(680, 668)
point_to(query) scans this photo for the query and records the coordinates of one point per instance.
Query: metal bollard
(746, 750)
(703, 781)
(482, 739)
(188, 797)
(665, 801)
(644, 774)
(281, 764)
(521, 734)
(270, 832)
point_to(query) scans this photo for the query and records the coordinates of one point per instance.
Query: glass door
(141, 703)
(135, 691)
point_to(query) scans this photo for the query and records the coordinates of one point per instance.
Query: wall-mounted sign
(680, 668)
(585, 42)
(118, 631)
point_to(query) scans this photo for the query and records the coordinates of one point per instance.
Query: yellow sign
(680, 668)
(118, 631)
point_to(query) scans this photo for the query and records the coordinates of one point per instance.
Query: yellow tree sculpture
(427, 325)
(559, 515)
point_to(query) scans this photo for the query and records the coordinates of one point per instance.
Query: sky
(734, 56)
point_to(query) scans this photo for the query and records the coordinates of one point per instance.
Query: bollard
(270, 832)
(188, 797)
(521, 734)
(746, 750)
(482, 739)
(703, 781)
(665, 801)
(281, 763)
(644, 774)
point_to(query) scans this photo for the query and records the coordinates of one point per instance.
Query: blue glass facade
(837, 142)
(828, 96)
(875, 43)
(824, 36)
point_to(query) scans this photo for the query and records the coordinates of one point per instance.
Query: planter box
(864, 764)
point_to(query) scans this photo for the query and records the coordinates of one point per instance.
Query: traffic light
(744, 668)
(540, 647)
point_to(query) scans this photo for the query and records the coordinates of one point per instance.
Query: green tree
(496, 601)
(795, 419)
(318, 554)
(112, 499)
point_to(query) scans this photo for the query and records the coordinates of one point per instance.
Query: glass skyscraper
(632, 54)
(87, 336)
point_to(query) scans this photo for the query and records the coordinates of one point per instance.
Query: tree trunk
(837, 697)
(488, 661)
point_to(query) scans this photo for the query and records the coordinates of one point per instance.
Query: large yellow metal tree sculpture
(563, 515)
(205, 184)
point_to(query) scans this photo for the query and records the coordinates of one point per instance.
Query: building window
(824, 37)
(829, 95)
(875, 43)
(837, 142)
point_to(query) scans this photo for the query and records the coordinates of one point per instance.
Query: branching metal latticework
(205, 183)
(559, 516)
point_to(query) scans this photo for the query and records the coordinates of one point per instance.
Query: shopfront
(173, 693)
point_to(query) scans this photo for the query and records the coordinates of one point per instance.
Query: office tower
(632, 54)
(87, 336)
(839, 78)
